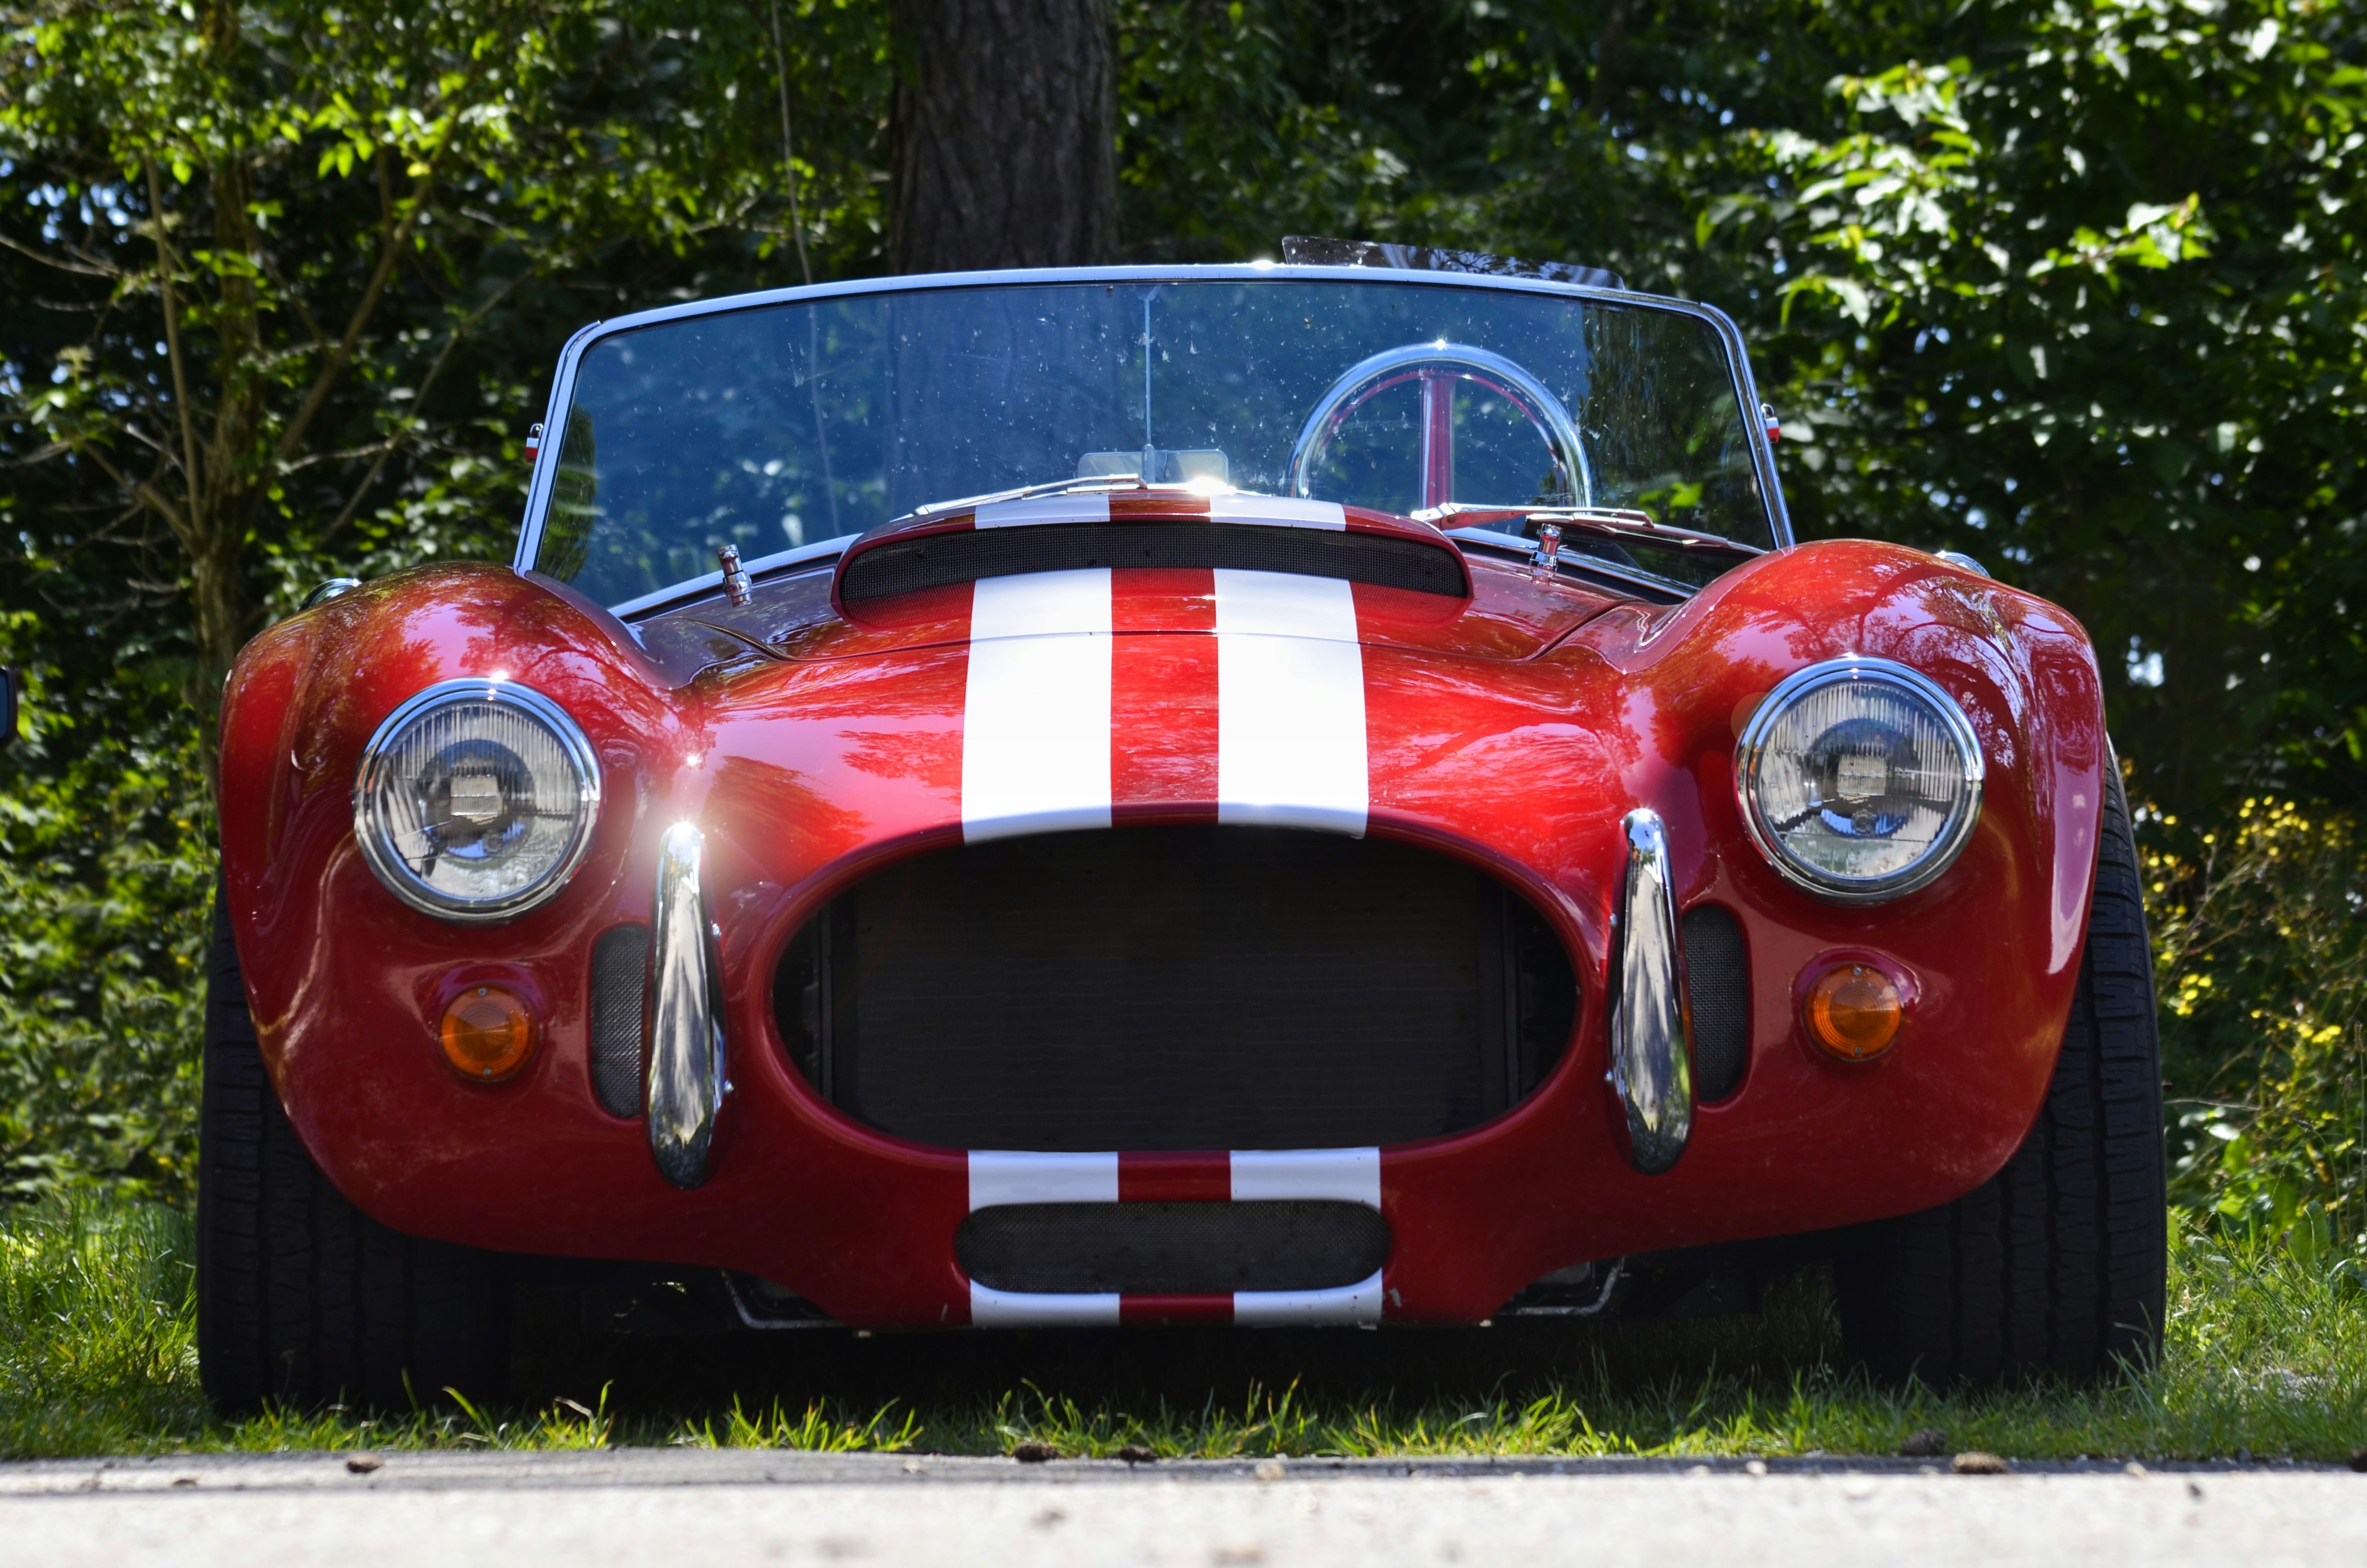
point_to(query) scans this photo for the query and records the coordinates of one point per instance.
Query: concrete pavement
(706, 1508)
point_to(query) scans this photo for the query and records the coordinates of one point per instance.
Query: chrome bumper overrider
(1651, 1058)
(685, 989)
(1651, 1055)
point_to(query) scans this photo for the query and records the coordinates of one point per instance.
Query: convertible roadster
(1301, 794)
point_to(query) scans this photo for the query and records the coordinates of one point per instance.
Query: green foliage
(2261, 936)
(106, 876)
(2088, 306)
(2266, 1351)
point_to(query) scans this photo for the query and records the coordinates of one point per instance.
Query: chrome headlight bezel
(1749, 752)
(370, 777)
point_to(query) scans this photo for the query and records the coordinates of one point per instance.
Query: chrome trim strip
(563, 384)
(750, 1318)
(1592, 1309)
(1651, 1045)
(389, 868)
(1752, 745)
(685, 989)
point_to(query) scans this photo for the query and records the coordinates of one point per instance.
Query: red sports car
(1270, 795)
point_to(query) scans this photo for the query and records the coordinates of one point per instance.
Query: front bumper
(740, 1165)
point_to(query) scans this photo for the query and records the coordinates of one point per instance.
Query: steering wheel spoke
(1438, 368)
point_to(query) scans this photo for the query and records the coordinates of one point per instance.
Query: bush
(2261, 947)
(106, 875)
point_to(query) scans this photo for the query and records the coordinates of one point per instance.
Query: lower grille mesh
(1717, 994)
(620, 961)
(1173, 1248)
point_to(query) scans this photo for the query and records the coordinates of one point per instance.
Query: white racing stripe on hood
(1290, 696)
(1044, 509)
(1284, 511)
(1036, 728)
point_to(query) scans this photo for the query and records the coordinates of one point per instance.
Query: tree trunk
(1609, 52)
(1004, 128)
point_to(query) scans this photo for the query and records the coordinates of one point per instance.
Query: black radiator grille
(1151, 988)
(620, 961)
(1717, 994)
(934, 561)
(1173, 1248)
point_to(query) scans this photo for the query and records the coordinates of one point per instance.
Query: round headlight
(475, 799)
(1859, 779)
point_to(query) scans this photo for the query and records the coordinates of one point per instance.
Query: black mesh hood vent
(936, 561)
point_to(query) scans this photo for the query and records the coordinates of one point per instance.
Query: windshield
(777, 426)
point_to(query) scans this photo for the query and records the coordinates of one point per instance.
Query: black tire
(302, 1298)
(2057, 1263)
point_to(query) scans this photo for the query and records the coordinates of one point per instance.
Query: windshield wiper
(1052, 487)
(1576, 565)
(1612, 522)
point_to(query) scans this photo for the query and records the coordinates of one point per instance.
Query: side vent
(620, 963)
(1718, 992)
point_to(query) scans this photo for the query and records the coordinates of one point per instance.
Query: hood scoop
(1177, 530)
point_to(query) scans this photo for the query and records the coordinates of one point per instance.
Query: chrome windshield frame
(562, 385)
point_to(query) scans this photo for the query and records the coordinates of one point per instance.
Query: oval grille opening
(1176, 988)
(1172, 1249)
(935, 561)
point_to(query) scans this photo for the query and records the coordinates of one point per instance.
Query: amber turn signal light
(488, 1033)
(1854, 1011)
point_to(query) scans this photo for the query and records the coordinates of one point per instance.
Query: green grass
(2267, 1357)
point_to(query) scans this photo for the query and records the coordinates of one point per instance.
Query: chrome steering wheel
(1438, 366)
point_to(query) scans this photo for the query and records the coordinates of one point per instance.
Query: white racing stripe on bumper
(1360, 1302)
(1290, 714)
(1348, 1175)
(1035, 726)
(1014, 1308)
(1000, 1176)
